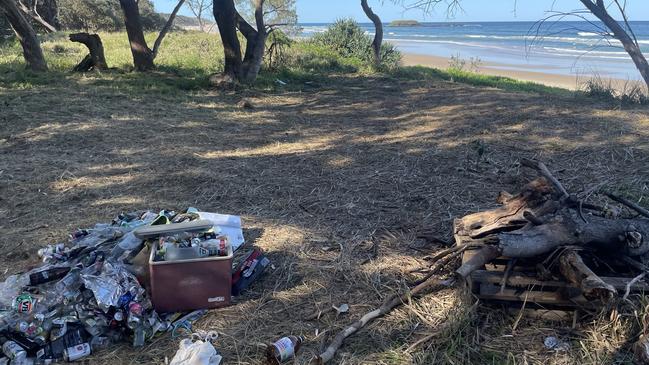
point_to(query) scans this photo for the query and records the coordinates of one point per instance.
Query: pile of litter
(92, 292)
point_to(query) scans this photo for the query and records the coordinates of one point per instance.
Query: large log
(574, 269)
(511, 215)
(627, 236)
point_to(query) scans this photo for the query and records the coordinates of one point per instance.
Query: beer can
(77, 352)
(14, 351)
(24, 303)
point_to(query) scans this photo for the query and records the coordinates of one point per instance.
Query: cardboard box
(187, 285)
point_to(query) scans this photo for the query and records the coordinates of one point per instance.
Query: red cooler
(187, 285)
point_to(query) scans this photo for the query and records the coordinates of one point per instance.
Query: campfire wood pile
(543, 247)
(562, 251)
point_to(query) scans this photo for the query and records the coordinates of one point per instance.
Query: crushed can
(14, 352)
(77, 352)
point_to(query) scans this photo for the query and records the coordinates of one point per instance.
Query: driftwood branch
(628, 236)
(477, 261)
(391, 303)
(386, 307)
(631, 283)
(511, 215)
(628, 203)
(574, 269)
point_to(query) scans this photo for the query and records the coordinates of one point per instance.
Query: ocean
(565, 48)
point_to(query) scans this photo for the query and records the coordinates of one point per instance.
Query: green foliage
(104, 15)
(500, 82)
(276, 12)
(460, 64)
(186, 60)
(603, 89)
(348, 39)
(277, 45)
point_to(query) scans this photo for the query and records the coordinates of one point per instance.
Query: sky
(326, 11)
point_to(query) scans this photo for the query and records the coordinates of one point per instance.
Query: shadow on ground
(340, 182)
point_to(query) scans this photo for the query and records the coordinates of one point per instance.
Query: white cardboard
(230, 226)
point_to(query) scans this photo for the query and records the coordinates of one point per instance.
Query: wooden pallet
(523, 287)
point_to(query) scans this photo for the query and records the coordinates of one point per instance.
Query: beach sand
(546, 78)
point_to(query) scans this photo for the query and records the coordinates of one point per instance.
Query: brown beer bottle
(283, 350)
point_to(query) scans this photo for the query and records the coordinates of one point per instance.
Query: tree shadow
(337, 184)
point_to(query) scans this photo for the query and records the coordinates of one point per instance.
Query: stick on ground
(629, 204)
(387, 306)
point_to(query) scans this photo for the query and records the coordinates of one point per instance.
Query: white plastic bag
(196, 353)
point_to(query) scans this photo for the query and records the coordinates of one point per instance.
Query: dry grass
(338, 185)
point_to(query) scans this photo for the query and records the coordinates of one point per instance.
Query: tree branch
(165, 29)
(35, 16)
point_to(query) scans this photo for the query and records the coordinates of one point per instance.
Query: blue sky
(323, 11)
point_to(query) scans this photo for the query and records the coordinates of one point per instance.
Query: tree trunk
(166, 28)
(378, 31)
(255, 44)
(29, 41)
(225, 15)
(142, 54)
(599, 10)
(95, 60)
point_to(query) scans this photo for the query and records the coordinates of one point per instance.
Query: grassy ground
(340, 176)
(187, 59)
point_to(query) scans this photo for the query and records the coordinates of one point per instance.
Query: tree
(143, 56)
(198, 7)
(42, 13)
(26, 35)
(378, 31)
(624, 34)
(229, 20)
(226, 16)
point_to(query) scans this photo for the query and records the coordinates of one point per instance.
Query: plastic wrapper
(107, 291)
(100, 234)
(196, 353)
(11, 288)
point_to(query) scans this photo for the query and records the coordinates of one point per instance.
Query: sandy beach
(565, 81)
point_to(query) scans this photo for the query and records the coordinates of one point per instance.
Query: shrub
(348, 39)
(626, 94)
(277, 45)
(460, 64)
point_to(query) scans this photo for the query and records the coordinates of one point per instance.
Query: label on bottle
(78, 351)
(285, 349)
